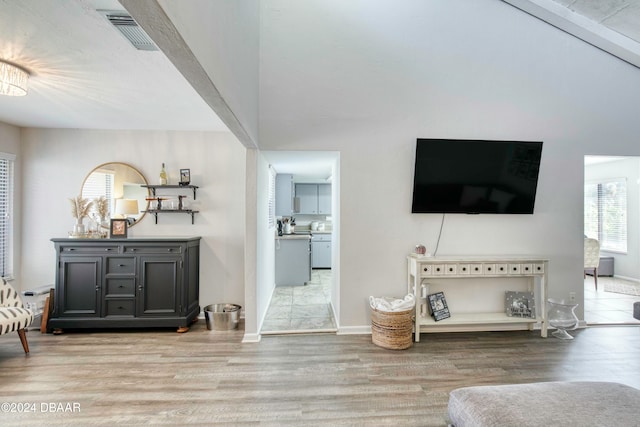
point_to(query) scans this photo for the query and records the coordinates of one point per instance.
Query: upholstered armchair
(13, 316)
(591, 258)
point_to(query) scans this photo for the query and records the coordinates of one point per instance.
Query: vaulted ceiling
(85, 74)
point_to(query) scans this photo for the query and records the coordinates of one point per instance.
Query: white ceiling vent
(129, 29)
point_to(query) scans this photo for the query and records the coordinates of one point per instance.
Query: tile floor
(299, 309)
(603, 307)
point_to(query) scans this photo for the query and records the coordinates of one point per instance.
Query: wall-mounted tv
(475, 176)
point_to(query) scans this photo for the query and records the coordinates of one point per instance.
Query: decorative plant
(80, 208)
(102, 207)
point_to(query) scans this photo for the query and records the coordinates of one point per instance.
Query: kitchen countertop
(302, 234)
(293, 236)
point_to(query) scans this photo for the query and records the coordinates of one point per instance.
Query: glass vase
(562, 316)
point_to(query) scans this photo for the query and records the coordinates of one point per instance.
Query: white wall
(55, 163)
(625, 265)
(265, 268)
(368, 78)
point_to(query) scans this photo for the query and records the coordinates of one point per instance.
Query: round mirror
(121, 187)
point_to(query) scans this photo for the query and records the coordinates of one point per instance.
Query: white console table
(455, 273)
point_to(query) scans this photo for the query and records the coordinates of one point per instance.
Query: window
(605, 213)
(6, 214)
(100, 184)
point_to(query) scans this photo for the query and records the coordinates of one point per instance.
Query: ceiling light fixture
(13, 80)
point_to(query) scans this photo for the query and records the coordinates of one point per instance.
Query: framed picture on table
(118, 229)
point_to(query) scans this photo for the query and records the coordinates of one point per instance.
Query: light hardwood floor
(607, 308)
(159, 377)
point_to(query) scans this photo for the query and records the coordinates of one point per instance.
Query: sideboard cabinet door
(161, 279)
(80, 285)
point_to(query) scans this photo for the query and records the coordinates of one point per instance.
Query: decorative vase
(78, 228)
(562, 316)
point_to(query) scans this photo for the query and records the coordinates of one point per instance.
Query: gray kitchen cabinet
(324, 199)
(129, 283)
(293, 261)
(314, 199)
(284, 194)
(321, 251)
(307, 195)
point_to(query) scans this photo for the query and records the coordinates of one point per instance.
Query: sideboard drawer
(86, 249)
(121, 307)
(121, 265)
(177, 249)
(121, 287)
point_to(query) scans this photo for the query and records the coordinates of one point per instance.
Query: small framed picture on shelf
(185, 176)
(438, 306)
(118, 229)
(520, 304)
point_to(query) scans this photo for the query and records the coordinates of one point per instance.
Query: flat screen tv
(475, 176)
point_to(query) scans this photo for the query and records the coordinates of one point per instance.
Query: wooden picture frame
(118, 228)
(185, 176)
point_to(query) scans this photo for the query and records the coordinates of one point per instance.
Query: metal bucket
(222, 317)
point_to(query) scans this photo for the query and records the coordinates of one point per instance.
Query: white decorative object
(562, 316)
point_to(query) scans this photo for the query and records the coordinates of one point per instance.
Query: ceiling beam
(155, 22)
(583, 28)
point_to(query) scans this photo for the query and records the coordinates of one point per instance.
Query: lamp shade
(127, 206)
(13, 80)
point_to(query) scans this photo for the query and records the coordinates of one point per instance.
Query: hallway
(300, 309)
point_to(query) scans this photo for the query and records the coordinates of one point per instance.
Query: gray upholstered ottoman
(546, 404)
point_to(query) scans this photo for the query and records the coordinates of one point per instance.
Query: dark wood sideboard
(126, 283)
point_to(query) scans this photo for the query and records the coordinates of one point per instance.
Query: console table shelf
(440, 273)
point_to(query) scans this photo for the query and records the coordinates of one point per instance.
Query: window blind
(6, 214)
(605, 213)
(99, 184)
(272, 197)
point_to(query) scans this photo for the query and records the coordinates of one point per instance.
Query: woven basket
(392, 330)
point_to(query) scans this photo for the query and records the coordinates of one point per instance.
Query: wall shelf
(155, 212)
(154, 187)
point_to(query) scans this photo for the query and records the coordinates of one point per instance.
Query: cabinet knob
(169, 250)
(121, 286)
(108, 249)
(121, 265)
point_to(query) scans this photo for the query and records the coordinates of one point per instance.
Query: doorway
(612, 216)
(300, 302)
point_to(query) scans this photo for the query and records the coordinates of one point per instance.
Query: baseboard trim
(354, 330)
(251, 338)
